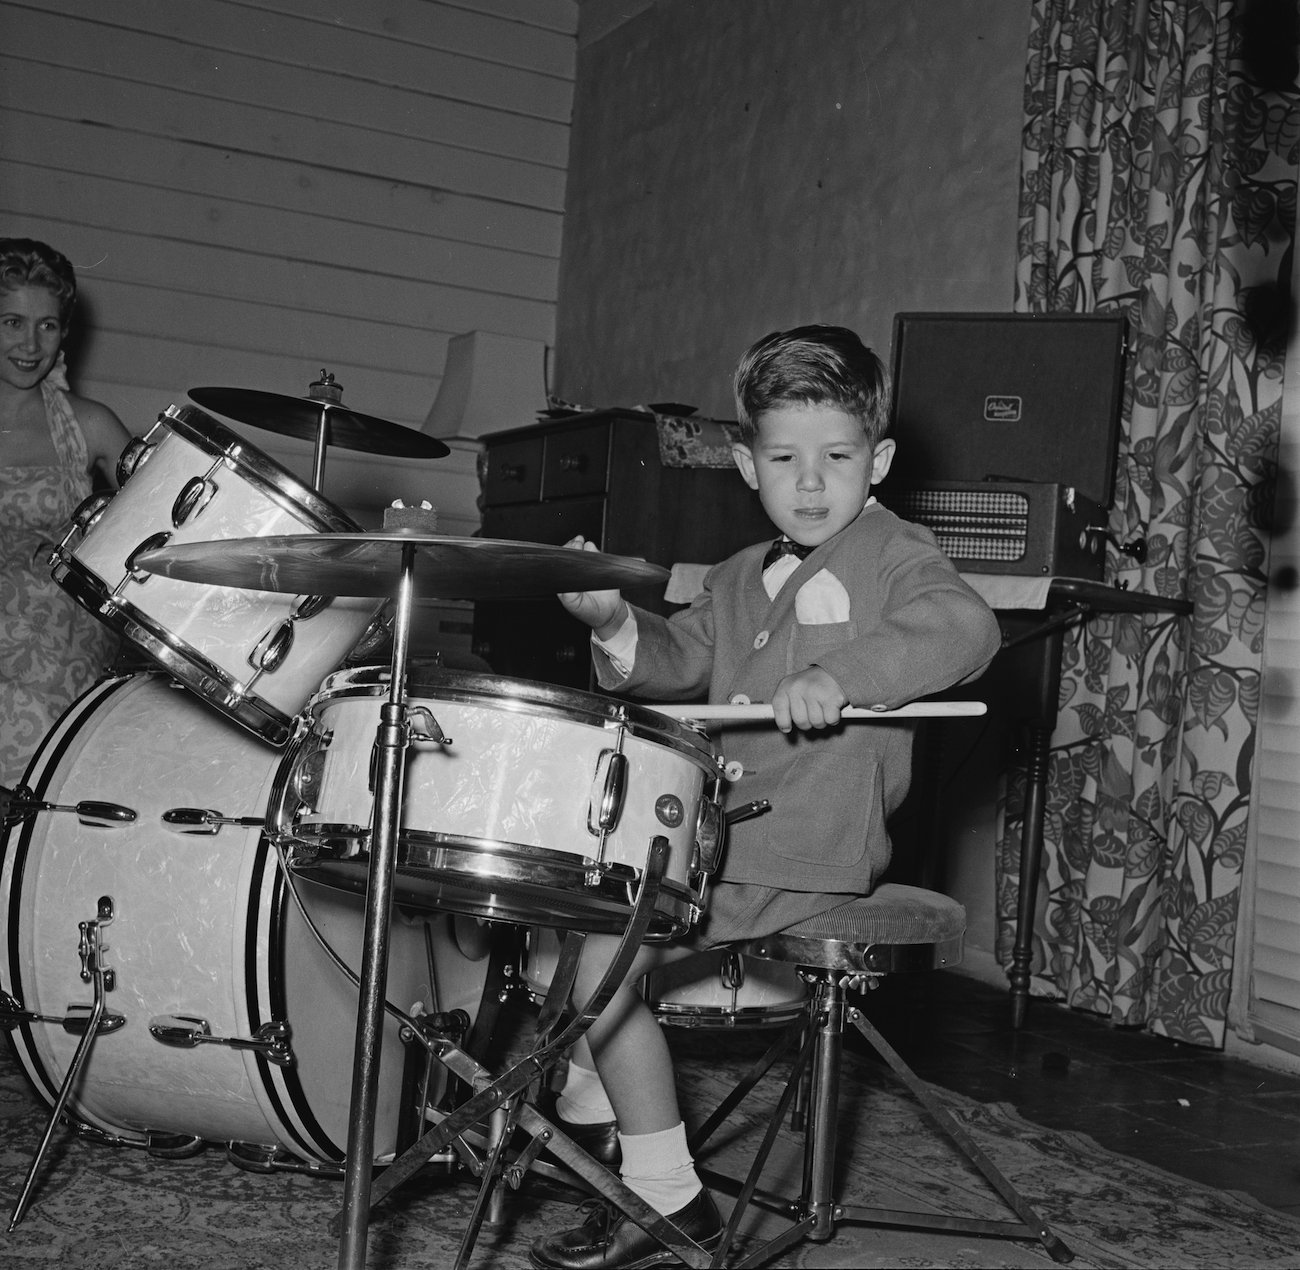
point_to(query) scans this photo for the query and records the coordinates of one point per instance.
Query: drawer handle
(573, 462)
(513, 472)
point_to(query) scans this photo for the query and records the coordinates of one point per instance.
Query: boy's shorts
(746, 910)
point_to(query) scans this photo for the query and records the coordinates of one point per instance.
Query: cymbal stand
(391, 742)
(328, 393)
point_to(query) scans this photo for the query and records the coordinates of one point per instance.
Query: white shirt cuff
(620, 647)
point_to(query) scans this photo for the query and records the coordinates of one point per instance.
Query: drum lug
(270, 651)
(140, 576)
(199, 820)
(137, 450)
(77, 1021)
(186, 1031)
(603, 812)
(195, 495)
(88, 512)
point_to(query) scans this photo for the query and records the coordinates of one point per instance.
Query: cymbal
(300, 417)
(371, 564)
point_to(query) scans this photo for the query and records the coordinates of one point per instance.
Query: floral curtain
(1159, 180)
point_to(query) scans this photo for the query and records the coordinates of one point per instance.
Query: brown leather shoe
(609, 1240)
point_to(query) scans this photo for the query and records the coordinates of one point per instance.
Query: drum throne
(897, 929)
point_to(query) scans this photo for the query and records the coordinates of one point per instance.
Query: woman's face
(30, 335)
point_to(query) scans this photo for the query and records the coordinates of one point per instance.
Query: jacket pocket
(807, 643)
(825, 806)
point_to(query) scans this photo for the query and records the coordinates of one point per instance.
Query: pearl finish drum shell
(497, 823)
(203, 926)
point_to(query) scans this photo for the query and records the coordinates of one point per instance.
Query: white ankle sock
(583, 1099)
(659, 1168)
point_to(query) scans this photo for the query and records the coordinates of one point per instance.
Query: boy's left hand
(807, 700)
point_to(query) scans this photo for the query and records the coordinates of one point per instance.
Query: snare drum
(722, 989)
(255, 655)
(204, 941)
(539, 807)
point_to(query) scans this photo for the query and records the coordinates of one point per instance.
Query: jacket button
(738, 699)
(761, 638)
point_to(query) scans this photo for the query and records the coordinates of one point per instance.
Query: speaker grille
(970, 524)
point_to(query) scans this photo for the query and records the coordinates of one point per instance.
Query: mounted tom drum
(255, 655)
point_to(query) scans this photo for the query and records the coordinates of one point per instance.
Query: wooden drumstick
(762, 713)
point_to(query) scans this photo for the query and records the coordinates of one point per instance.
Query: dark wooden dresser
(597, 474)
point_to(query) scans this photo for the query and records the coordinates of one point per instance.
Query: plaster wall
(740, 165)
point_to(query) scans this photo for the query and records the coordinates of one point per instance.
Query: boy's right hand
(601, 610)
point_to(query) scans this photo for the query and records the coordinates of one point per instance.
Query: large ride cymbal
(301, 416)
(371, 565)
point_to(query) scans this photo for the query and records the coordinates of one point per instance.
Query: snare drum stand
(504, 1094)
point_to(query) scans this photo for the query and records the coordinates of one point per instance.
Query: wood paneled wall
(252, 190)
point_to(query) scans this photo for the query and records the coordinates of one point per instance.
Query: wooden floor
(1218, 1120)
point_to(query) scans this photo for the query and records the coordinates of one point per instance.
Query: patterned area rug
(118, 1209)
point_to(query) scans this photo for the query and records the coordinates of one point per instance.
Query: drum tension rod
(75, 1023)
(91, 812)
(272, 1041)
(91, 949)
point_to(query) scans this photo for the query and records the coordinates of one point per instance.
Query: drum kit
(239, 851)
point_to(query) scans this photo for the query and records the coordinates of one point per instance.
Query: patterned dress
(51, 649)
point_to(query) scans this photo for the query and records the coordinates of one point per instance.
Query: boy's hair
(24, 262)
(816, 366)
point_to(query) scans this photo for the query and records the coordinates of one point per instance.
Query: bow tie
(784, 547)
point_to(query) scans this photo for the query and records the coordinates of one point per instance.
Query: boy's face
(813, 469)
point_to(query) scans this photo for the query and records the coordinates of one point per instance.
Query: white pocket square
(821, 600)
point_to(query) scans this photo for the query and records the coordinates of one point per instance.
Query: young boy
(851, 606)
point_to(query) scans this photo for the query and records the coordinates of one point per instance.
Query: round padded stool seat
(895, 928)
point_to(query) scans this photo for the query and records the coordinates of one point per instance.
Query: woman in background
(51, 443)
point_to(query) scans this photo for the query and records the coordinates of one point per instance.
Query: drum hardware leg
(494, 1094)
(572, 944)
(91, 949)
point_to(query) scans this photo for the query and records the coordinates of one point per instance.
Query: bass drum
(204, 934)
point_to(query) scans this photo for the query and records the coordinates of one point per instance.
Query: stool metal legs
(815, 1213)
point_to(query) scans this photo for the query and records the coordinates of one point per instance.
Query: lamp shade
(490, 382)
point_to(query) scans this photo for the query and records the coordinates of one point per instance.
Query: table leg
(1031, 856)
